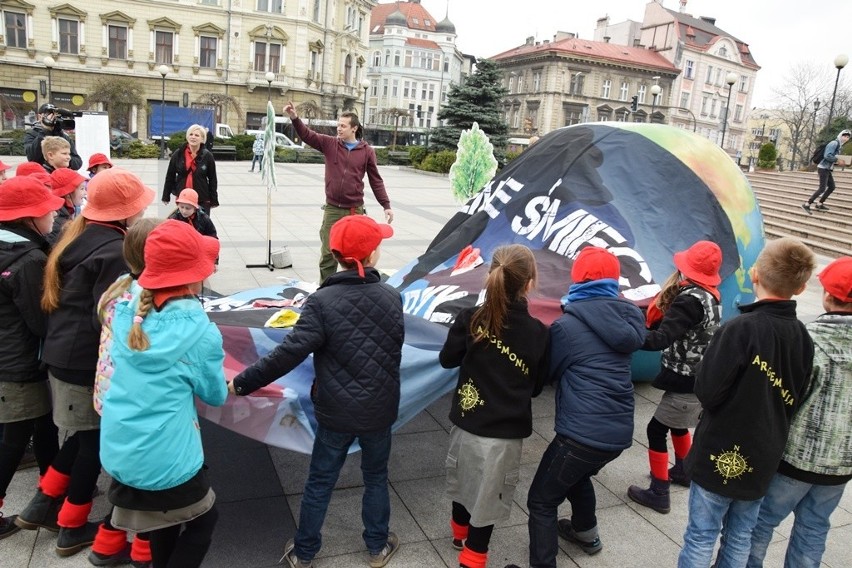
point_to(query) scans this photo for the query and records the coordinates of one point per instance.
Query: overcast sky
(779, 32)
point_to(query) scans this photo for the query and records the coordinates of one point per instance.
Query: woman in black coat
(192, 165)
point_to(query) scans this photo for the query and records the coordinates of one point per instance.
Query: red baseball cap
(595, 263)
(98, 159)
(700, 263)
(64, 181)
(355, 237)
(25, 196)
(836, 278)
(176, 254)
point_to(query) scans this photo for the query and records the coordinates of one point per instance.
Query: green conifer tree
(475, 164)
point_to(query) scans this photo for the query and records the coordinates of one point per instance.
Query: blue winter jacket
(591, 351)
(150, 437)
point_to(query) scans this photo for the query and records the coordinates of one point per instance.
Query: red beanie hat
(836, 278)
(700, 263)
(595, 263)
(355, 236)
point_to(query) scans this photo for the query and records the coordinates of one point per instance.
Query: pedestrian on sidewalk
(27, 209)
(592, 346)
(353, 324)
(85, 261)
(165, 352)
(751, 381)
(682, 319)
(257, 152)
(826, 177)
(817, 461)
(347, 158)
(501, 352)
(192, 165)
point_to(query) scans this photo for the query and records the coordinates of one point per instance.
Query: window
(738, 114)
(348, 77)
(536, 81)
(516, 118)
(69, 39)
(207, 51)
(163, 46)
(723, 52)
(274, 6)
(395, 88)
(511, 84)
(377, 59)
(407, 58)
(704, 100)
(16, 29)
(641, 94)
(406, 89)
(573, 114)
(713, 108)
(607, 86)
(431, 92)
(423, 92)
(267, 56)
(624, 90)
(577, 83)
(316, 13)
(384, 88)
(684, 100)
(314, 62)
(709, 78)
(396, 58)
(117, 37)
(689, 69)
(743, 84)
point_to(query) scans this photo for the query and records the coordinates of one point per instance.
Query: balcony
(256, 79)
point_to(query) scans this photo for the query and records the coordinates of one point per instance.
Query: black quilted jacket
(354, 328)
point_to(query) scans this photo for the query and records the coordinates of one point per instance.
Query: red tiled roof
(700, 35)
(598, 50)
(418, 42)
(410, 10)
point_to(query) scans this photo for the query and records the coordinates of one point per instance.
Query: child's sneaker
(383, 557)
(292, 559)
(566, 531)
(807, 208)
(821, 207)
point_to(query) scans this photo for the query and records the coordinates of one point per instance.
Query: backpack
(819, 153)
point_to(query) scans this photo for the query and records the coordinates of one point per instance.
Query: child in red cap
(26, 216)
(71, 186)
(591, 349)
(501, 352)
(817, 461)
(353, 325)
(97, 163)
(189, 212)
(682, 319)
(165, 352)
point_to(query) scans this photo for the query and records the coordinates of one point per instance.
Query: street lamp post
(365, 84)
(655, 92)
(270, 76)
(730, 79)
(839, 62)
(49, 62)
(813, 124)
(164, 70)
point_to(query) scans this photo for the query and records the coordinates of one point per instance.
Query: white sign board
(91, 135)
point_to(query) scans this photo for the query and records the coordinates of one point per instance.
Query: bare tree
(219, 101)
(119, 95)
(394, 113)
(309, 109)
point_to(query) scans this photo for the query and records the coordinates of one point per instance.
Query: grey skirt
(144, 521)
(23, 401)
(73, 408)
(482, 474)
(678, 410)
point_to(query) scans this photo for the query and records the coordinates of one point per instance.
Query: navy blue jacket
(591, 351)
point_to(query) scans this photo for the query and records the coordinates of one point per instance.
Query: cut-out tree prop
(475, 164)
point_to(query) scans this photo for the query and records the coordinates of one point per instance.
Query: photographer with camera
(50, 123)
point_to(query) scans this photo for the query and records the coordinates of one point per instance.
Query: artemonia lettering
(775, 380)
(505, 350)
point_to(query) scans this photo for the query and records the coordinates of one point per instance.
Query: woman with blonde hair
(192, 165)
(86, 260)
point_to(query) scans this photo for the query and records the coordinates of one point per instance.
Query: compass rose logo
(469, 397)
(731, 464)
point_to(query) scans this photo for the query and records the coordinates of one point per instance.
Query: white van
(281, 141)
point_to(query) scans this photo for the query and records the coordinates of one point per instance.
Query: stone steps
(780, 195)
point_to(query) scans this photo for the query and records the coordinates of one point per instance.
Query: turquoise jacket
(150, 437)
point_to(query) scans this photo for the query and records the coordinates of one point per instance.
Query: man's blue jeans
(710, 514)
(812, 505)
(565, 472)
(329, 454)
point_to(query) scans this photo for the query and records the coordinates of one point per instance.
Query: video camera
(64, 118)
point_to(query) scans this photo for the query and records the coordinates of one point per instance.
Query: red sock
(459, 531)
(471, 559)
(73, 516)
(140, 550)
(682, 444)
(659, 464)
(54, 484)
(109, 541)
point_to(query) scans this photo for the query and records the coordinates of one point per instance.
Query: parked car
(281, 141)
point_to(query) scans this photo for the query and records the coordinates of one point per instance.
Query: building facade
(413, 60)
(707, 56)
(567, 81)
(216, 52)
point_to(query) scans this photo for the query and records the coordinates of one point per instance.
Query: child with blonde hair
(57, 153)
(491, 409)
(165, 352)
